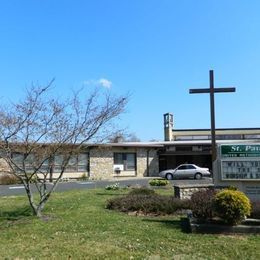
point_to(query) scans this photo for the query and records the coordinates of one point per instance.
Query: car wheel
(198, 176)
(169, 176)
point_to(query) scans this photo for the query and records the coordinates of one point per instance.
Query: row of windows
(218, 137)
(77, 163)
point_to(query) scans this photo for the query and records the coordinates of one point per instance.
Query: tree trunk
(30, 198)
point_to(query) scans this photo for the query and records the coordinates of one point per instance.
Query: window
(18, 160)
(77, 163)
(186, 148)
(183, 167)
(45, 166)
(127, 160)
(186, 167)
(83, 162)
(58, 159)
(24, 163)
(72, 164)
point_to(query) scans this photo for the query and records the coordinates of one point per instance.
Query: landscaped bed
(248, 226)
(76, 225)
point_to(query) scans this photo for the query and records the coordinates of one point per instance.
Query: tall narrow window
(83, 162)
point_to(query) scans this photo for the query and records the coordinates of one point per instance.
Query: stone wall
(101, 162)
(147, 162)
(4, 168)
(185, 191)
(141, 162)
(153, 163)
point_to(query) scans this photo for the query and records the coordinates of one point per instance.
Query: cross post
(211, 90)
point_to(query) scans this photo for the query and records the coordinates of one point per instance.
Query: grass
(77, 226)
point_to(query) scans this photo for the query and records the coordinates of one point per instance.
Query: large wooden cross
(211, 90)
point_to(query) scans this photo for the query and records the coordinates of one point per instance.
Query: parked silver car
(184, 171)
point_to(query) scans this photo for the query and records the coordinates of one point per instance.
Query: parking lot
(11, 190)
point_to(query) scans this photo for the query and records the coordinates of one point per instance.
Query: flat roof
(134, 144)
(184, 142)
(203, 142)
(217, 129)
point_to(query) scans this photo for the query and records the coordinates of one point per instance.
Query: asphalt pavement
(18, 189)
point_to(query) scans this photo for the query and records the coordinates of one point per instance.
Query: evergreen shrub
(231, 206)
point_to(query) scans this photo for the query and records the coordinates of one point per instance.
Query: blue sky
(156, 50)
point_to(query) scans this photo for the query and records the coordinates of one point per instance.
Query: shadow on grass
(16, 213)
(181, 224)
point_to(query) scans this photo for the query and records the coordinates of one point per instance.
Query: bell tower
(168, 126)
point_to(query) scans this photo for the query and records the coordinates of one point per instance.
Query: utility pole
(211, 90)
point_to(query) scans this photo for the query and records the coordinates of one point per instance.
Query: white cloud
(100, 82)
(105, 83)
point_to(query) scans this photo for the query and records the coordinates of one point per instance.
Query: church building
(194, 145)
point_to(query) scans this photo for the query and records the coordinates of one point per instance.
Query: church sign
(240, 162)
(240, 150)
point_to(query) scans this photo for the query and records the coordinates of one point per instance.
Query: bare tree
(123, 136)
(38, 130)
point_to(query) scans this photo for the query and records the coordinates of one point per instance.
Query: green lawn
(78, 226)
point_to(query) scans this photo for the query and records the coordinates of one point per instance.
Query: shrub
(231, 187)
(114, 186)
(84, 177)
(255, 209)
(232, 206)
(142, 191)
(202, 204)
(158, 182)
(8, 178)
(147, 204)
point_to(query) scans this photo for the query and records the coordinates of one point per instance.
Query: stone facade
(101, 163)
(147, 162)
(186, 191)
(4, 168)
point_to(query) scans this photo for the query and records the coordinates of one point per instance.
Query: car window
(183, 167)
(190, 167)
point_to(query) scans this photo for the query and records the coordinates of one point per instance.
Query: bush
(7, 179)
(142, 191)
(231, 187)
(114, 186)
(232, 206)
(158, 182)
(147, 204)
(84, 177)
(202, 204)
(255, 209)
